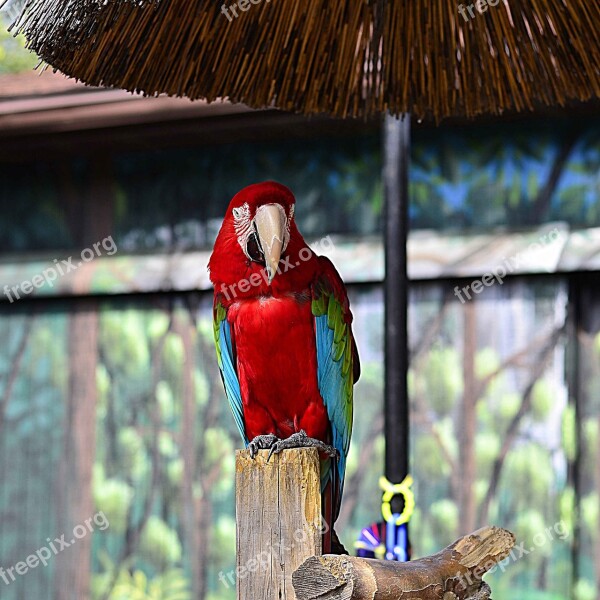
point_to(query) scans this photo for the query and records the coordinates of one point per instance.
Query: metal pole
(395, 174)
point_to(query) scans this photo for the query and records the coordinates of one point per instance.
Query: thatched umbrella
(347, 58)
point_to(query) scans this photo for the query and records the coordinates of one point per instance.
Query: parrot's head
(257, 232)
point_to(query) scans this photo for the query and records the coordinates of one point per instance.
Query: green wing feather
(337, 360)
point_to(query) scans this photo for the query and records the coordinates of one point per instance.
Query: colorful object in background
(389, 539)
(284, 340)
(369, 543)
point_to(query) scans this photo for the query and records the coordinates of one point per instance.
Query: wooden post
(278, 513)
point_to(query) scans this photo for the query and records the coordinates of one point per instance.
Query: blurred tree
(526, 175)
(14, 57)
(477, 457)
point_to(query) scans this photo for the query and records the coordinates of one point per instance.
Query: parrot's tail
(336, 546)
(330, 510)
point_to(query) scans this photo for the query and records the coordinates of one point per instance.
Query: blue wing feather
(331, 386)
(226, 360)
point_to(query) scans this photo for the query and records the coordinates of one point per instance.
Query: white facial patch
(288, 224)
(242, 225)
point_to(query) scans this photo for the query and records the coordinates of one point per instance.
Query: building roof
(46, 114)
(36, 83)
(46, 102)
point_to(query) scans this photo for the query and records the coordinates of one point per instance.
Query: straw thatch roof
(346, 58)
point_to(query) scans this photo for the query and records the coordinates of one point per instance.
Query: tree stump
(453, 574)
(278, 506)
(278, 513)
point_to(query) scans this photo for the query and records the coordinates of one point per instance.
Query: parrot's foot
(301, 440)
(262, 442)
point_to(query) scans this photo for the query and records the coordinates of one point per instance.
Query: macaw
(283, 335)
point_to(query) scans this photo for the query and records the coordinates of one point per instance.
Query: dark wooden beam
(395, 175)
(169, 129)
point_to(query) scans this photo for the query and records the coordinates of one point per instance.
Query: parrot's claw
(262, 442)
(301, 440)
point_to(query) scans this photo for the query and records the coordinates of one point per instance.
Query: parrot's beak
(270, 227)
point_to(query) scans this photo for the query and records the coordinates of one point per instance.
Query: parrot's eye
(253, 249)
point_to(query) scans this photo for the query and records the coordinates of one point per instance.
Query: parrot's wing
(337, 359)
(226, 358)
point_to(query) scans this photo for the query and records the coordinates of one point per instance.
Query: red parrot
(283, 335)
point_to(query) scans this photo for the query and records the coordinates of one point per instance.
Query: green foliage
(159, 544)
(442, 379)
(597, 344)
(166, 401)
(170, 585)
(482, 178)
(175, 472)
(167, 446)
(226, 461)
(103, 387)
(217, 444)
(509, 591)
(134, 458)
(201, 387)
(157, 327)
(480, 490)
(487, 362)
(496, 386)
(224, 542)
(530, 528)
(173, 356)
(431, 461)
(568, 431)
(122, 334)
(542, 399)
(43, 354)
(567, 507)
(430, 203)
(530, 472)
(585, 590)
(508, 406)
(590, 514)
(113, 497)
(487, 447)
(444, 519)
(14, 58)
(591, 437)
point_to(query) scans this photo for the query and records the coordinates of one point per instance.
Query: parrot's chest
(276, 359)
(271, 319)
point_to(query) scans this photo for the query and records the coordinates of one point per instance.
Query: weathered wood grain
(278, 512)
(453, 574)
